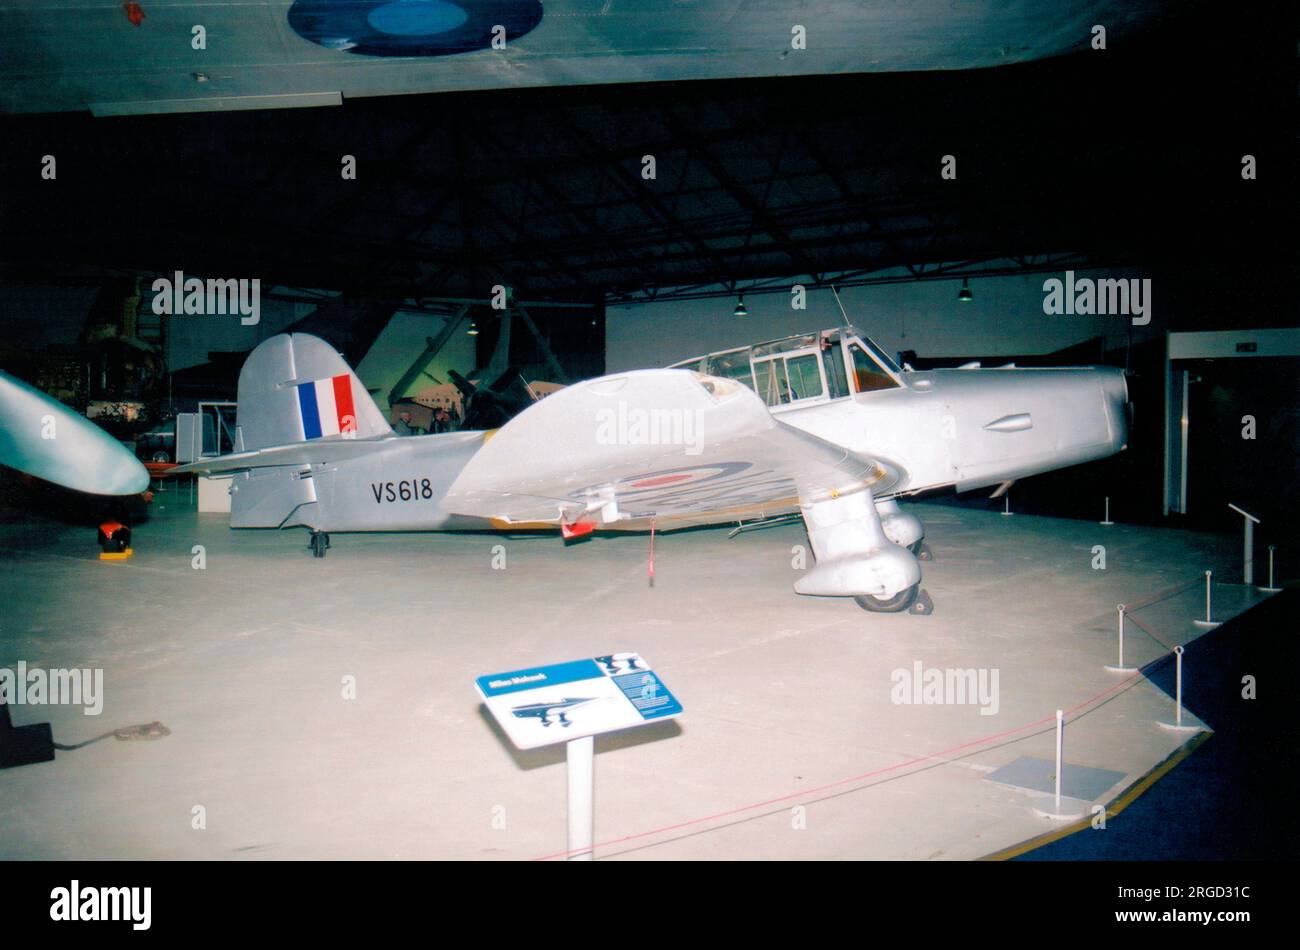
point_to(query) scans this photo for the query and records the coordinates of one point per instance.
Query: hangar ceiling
(543, 189)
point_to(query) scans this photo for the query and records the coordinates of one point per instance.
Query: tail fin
(295, 387)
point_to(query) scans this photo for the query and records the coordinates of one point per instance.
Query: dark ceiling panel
(1124, 156)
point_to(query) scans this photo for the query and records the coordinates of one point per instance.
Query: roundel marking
(679, 477)
(411, 27)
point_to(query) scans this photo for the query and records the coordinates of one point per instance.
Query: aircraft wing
(79, 54)
(43, 437)
(664, 444)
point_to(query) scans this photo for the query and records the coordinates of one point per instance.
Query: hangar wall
(400, 342)
(38, 316)
(1005, 316)
(190, 338)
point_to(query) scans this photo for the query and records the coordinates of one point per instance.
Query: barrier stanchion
(1177, 724)
(1119, 667)
(1106, 520)
(1209, 620)
(1057, 813)
(1060, 740)
(1271, 588)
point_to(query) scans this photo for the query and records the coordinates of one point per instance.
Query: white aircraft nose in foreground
(823, 424)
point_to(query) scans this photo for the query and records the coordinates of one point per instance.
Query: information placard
(549, 704)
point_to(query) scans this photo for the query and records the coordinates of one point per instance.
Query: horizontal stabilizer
(320, 452)
(295, 453)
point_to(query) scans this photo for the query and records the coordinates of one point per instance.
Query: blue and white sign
(549, 704)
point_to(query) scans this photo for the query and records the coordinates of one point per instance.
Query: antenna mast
(840, 304)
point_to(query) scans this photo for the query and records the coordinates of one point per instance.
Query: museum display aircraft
(146, 57)
(822, 424)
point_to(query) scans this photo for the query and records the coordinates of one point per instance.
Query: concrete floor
(787, 698)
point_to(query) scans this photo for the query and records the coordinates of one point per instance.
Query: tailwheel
(889, 605)
(320, 542)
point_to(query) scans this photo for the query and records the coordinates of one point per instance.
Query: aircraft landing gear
(855, 558)
(889, 605)
(320, 542)
(912, 599)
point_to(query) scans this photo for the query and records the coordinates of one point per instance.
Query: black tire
(896, 604)
(319, 542)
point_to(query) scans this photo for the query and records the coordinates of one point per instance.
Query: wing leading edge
(673, 445)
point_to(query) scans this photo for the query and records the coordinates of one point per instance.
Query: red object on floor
(114, 537)
(134, 12)
(577, 529)
(650, 569)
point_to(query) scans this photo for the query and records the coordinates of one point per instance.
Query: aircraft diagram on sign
(821, 424)
(550, 713)
(526, 703)
(619, 664)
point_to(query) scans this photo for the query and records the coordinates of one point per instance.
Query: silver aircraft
(821, 424)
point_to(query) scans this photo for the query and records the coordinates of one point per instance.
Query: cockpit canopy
(804, 369)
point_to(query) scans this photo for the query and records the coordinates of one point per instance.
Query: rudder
(295, 387)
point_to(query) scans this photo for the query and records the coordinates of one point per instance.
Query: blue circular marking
(416, 17)
(412, 27)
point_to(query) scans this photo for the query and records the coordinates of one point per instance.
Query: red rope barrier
(1149, 632)
(985, 740)
(1165, 594)
(873, 773)
(650, 568)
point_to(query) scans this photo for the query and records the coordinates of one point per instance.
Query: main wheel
(892, 605)
(319, 542)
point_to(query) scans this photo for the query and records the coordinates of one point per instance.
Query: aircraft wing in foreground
(41, 436)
